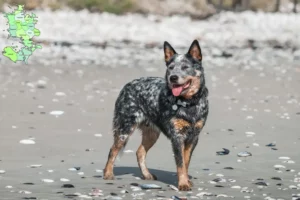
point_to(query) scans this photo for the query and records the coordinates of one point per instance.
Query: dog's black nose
(173, 78)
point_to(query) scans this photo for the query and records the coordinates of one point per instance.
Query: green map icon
(22, 27)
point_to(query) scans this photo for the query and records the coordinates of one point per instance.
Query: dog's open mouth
(177, 89)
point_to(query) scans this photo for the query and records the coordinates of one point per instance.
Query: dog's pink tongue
(177, 90)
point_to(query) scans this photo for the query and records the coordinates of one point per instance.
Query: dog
(175, 105)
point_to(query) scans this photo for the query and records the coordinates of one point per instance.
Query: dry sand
(265, 102)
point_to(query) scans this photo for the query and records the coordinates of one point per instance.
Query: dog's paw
(191, 183)
(108, 176)
(185, 186)
(150, 177)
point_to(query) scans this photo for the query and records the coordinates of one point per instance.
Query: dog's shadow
(166, 177)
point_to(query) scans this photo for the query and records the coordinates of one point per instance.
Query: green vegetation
(116, 6)
(112, 6)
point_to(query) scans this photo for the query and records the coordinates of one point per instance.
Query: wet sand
(265, 102)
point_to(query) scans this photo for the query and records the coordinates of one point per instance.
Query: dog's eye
(171, 67)
(185, 67)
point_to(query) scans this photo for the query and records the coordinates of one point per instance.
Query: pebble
(284, 158)
(124, 191)
(250, 134)
(271, 145)
(224, 152)
(85, 196)
(35, 166)
(244, 154)
(276, 178)
(279, 166)
(2, 171)
(135, 188)
(150, 186)
(41, 84)
(64, 180)
(96, 192)
(47, 180)
(173, 187)
(261, 183)
(60, 94)
(71, 195)
(128, 151)
(219, 180)
(74, 169)
(28, 183)
(24, 192)
(293, 187)
(202, 194)
(67, 186)
(56, 112)
(28, 141)
(256, 144)
(289, 161)
(230, 168)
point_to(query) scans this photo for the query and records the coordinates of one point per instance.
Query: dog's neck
(181, 101)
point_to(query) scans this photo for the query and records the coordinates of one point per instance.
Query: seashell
(244, 154)
(56, 112)
(47, 180)
(28, 141)
(35, 166)
(224, 152)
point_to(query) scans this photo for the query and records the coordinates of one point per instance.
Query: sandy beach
(262, 102)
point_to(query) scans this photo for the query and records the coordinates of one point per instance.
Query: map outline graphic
(22, 27)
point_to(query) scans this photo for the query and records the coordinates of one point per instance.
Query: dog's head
(185, 75)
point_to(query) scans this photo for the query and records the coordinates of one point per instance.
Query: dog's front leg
(188, 151)
(178, 149)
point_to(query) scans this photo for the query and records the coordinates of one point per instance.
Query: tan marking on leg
(183, 179)
(149, 138)
(187, 155)
(199, 124)
(119, 142)
(180, 124)
(194, 87)
(187, 159)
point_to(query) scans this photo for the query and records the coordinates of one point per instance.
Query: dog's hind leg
(149, 137)
(120, 141)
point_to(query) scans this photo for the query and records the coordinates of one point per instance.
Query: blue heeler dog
(176, 105)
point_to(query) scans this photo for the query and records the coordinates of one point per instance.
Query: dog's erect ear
(195, 50)
(169, 51)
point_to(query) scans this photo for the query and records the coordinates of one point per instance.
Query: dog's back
(138, 101)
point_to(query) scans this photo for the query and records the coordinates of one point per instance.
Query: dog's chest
(191, 115)
(189, 120)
